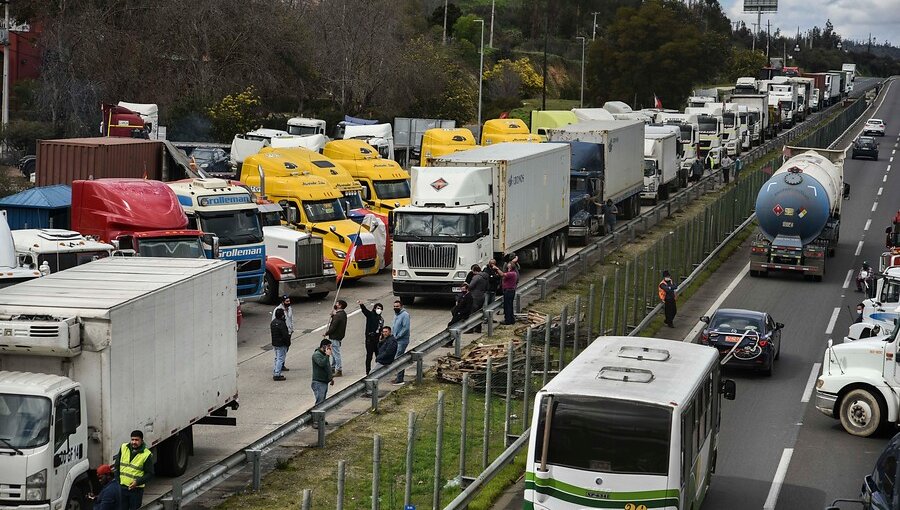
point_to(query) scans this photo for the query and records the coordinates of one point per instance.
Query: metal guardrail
(184, 492)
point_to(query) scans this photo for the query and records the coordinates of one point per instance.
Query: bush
(21, 136)
(235, 113)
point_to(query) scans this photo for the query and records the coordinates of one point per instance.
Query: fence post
(601, 330)
(625, 285)
(253, 459)
(635, 280)
(342, 466)
(463, 426)
(526, 387)
(546, 348)
(487, 415)
(589, 319)
(577, 330)
(318, 418)
(644, 299)
(372, 388)
(615, 328)
(563, 321)
(410, 441)
(509, 382)
(438, 451)
(307, 500)
(418, 357)
(376, 471)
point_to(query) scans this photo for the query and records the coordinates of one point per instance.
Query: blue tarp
(359, 122)
(43, 207)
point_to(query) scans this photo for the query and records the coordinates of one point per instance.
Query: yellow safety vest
(131, 469)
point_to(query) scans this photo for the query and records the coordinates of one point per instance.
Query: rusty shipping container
(65, 160)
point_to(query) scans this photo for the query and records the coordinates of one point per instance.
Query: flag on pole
(351, 254)
(656, 102)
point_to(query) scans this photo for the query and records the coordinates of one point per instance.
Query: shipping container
(63, 161)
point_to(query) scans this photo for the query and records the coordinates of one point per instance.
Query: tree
(516, 79)
(437, 17)
(744, 62)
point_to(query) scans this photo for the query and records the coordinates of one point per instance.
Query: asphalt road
(772, 431)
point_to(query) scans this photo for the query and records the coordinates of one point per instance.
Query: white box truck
(623, 155)
(93, 352)
(758, 103)
(475, 205)
(661, 165)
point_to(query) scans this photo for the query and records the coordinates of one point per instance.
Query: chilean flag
(656, 102)
(350, 256)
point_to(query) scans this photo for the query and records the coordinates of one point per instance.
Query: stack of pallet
(538, 322)
(474, 362)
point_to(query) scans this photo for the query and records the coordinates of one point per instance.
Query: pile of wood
(538, 323)
(474, 362)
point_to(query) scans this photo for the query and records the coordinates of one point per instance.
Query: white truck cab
(884, 308)
(12, 271)
(56, 249)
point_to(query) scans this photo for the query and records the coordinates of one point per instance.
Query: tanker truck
(799, 213)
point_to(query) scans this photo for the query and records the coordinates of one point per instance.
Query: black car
(214, 162)
(745, 337)
(878, 488)
(865, 146)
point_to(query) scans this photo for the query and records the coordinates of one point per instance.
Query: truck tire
(545, 258)
(270, 289)
(407, 300)
(861, 412)
(174, 453)
(76, 499)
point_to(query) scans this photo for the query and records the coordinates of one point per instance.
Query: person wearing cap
(289, 320)
(110, 496)
(667, 294)
(134, 464)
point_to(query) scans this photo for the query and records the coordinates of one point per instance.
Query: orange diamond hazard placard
(778, 210)
(439, 184)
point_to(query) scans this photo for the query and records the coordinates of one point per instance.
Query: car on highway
(874, 127)
(878, 488)
(744, 338)
(865, 146)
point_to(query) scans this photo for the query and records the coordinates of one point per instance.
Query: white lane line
(868, 224)
(832, 321)
(778, 481)
(891, 159)
(893, 151)
(884, 179)
(858, 249)
(874, 206)
(321, 328)
(718, 302)
(807, 393)
(888, 168)
(879, 191)
(847, 280)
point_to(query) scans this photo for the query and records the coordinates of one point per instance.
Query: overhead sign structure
(760, 5)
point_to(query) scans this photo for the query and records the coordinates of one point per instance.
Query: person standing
(289, 320)
(387, 348)
(610, 211)
(493, 280)
(667, 294)
(337, 328)
(374, 323)
(322, 376)
(709, 162)
(110, 497)
(478, 287)
(281, 341)
(738, 166)
(134, 463)
(401, 333)
(475, 269)
(726, 167)
(509, 283)
(696, 171)
(463, 307)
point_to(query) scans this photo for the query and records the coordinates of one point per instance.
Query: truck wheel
(174, 453)
(76, 499)
(407, 300)
(861, 412)
(563, 246)
(270, 289)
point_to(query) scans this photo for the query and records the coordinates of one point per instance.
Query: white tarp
(148, 112)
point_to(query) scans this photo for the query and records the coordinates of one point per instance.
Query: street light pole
(582, 69)
(444, 38)
(5, 113)
(491, 41)
(480, 71)
(594, 32)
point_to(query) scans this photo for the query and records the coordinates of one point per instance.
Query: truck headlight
(820, 382)
(578, 222)
(461, 275)
(287, 270)
(36, 486)
(341, 254)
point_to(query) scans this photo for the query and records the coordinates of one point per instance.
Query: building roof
(57, 196)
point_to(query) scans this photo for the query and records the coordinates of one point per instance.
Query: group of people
(728, 166)
(481, 288)
(122, 483)
(383, 343)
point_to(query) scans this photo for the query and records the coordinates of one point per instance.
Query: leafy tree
(437, 17)
(744, 62)
(516, 79)
(234, 113)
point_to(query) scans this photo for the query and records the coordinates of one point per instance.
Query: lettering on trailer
(241, 253)
(514, 180)
(224, 200)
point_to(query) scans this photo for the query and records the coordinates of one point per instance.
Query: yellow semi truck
(439, 142)
(385, 185)
(506, 130)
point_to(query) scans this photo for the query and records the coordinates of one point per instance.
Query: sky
(852, 19)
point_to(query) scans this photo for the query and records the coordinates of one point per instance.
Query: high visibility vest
(130, 469)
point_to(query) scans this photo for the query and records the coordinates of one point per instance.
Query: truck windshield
(743, 117)
(233, 227)
(424, 227)
(687, 133)
(24, 421)
(172, 247)
(754, 118)
(606, 435)
(728, 120)
(388, 190)
(318, 211)
(708, 125)
(650, 167)
(352, 200)
(62, 261)
(578, 185)
(302, 130)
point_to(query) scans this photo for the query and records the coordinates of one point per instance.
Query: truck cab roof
(33, 383)
(211, 194)
(55, 240)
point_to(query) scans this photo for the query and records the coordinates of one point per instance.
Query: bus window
(687, 438)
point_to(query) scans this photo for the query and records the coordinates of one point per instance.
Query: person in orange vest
(667, 294)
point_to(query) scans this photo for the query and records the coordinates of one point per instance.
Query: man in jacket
(667, 294)
(337, 328)
(374, 323)
(610, 213)
(509, 284)
(322, 375)
(387, 348)
(110, 493)
(401, 333)
(463, 307)
(134, 464)
(289, 320)
(493, 280)
(281, 341)
(478, 287)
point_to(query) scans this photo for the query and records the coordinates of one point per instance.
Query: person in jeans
(401, 333)
(337, 328)
(322, 376)
(285, 306)
(281, 340)
(374, 322)
(510, 280)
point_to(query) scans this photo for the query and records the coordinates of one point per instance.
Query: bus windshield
(606, 435)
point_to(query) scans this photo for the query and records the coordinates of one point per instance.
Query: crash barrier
(619, 310)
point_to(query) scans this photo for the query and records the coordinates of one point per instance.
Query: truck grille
(431, 256)
(309, 257)
(10, 492)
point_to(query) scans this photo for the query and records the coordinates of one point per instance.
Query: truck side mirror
(705, 319)
(779, 325)
(291, 213)
(212, 241)
(729, 389)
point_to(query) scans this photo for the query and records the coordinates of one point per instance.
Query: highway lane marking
(717, 303)
(879, 191)
(778, 481)
(884, 179)
(888, 168)
(832, 321)
(894, 151)
(847, 280)
(807, 393)
(858, 249)
(891, 159)
(874, 206)
(868, 223)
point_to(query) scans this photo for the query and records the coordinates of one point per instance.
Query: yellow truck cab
(385, 185)
(437, 142)
(312, 204)
(542, 120)
(506, 130)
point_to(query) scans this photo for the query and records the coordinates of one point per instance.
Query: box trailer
(661, 166)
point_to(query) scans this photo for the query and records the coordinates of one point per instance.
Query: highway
(776, 450)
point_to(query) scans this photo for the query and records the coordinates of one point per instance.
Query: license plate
(456, 289)
(732, 339)
(310, 285)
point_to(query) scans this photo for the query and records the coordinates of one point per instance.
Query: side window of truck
(192, 223)
(366, 192)
(70, 404)
(886, 472)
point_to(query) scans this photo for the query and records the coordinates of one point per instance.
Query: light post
(594, 31)
(583, 40)
(5, 108)
(491, 40)
(444, 37)
(480, 70)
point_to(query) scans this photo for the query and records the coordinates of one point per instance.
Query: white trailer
(851, 68)
(661, 165)
(91, 353)
(11, 269)
(758, 103)
(479, 204)
(623, 142)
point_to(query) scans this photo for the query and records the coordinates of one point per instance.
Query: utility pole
(491, 41)
(5, 114)
(868, 50)
(544, 73)
(444, 38)
(582, 69)
(480, 71)
(768, 37)
(594, 31)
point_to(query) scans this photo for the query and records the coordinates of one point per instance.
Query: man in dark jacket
(322, 375)
(667, 294)
(493, 278)
(387, 348)
(374, 322)
(281, 341)
(110, 493)
(463, 307)
(337, 328)
(478, 287)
